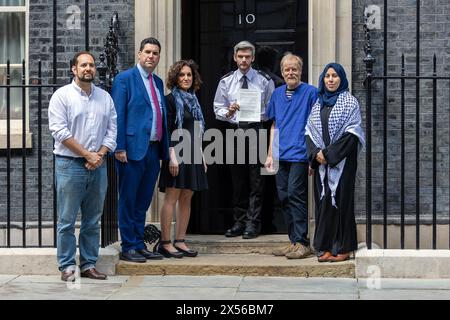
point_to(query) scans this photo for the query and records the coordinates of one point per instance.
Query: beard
(84, 79)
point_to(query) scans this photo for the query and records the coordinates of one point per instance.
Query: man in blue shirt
(289, 109)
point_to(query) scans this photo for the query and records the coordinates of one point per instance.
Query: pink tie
(157, 109)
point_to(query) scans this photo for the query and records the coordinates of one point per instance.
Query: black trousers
(247, 181)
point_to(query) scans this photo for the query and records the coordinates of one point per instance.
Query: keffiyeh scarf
(344, 117)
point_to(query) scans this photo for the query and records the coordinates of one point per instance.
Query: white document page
(250, 105)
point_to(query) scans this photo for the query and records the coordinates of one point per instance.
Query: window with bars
(13, 47)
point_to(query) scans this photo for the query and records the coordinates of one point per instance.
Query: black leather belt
(68, 157)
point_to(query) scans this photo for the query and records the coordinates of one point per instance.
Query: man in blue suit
(142, 140)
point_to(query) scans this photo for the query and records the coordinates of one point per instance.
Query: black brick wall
(41, 48)
(435, 39)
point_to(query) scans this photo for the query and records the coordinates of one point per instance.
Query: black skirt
(190, 176)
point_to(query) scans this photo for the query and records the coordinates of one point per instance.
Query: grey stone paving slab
(274, 296)
(313, 285)
(56, 291)
(437, 284)
(374, 294)
(183, 281)
(57, 279)
(6, 278)
(168, 293)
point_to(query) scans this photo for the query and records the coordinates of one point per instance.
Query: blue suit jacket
(135, 114)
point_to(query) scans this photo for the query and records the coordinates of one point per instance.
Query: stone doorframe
(330, 40)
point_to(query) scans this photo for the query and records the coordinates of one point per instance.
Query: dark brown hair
(150, 40)
(175, 69)
(74, 61)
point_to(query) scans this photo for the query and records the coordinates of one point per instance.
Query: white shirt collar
(81, 91)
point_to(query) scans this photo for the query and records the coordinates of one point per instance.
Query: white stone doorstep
(414, 264)
(42, 261)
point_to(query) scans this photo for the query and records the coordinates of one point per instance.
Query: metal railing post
(369, 60)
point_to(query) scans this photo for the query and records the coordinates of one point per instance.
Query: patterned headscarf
(344, 117)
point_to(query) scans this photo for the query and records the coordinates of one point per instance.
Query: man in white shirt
(248, 184)
(83, 122)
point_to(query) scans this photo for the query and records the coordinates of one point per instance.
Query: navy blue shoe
(150, 255)
(132, 256)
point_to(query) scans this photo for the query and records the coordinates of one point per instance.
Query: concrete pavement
(34, 287)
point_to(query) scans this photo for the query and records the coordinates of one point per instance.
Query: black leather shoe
(187, 253)
(166, 253)
(132, 256)
(250, 233)
(149, 255)
(234, 231)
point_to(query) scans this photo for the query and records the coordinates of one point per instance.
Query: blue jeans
(78, 188)
(292, 187)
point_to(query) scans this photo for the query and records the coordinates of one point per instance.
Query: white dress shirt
(90, 120)
(227, 92)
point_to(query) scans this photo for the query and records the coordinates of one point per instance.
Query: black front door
(210, 29)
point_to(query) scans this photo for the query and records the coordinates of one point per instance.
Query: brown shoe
(68, 275)
(281, 252)
(325, 257)
(92, 273)
(340, 257)
(300, 251)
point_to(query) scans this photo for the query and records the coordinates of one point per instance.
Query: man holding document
(240, 101)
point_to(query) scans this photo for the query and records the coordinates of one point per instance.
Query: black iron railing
(107, 73)
(39, 217)
(433, 80)
(23, 181)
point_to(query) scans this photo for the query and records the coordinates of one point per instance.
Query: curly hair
(175, 69)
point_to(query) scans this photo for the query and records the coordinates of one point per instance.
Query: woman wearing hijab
(182, 175)
(334, 138)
